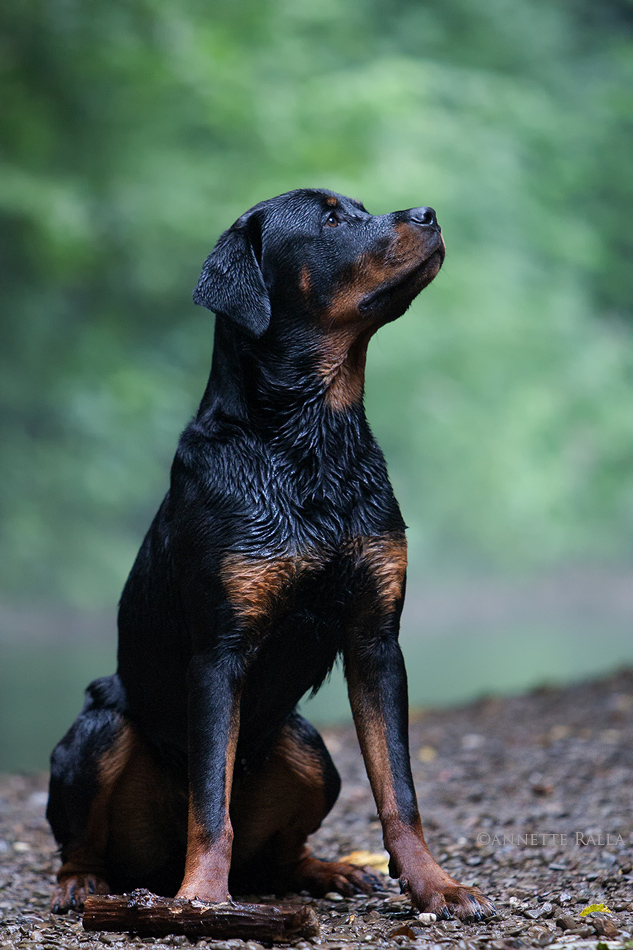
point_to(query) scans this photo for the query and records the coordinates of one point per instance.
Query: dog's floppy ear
(231, 282)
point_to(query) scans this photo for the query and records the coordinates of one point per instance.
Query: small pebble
(604, 926)
(544, 939)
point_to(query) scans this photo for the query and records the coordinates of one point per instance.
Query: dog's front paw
(444, 897)
(209, 892)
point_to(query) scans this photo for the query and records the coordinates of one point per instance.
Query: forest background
(132, 134)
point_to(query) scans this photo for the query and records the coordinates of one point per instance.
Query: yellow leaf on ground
(595, 909)
(369, 859)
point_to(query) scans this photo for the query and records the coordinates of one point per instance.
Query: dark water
(41, 684)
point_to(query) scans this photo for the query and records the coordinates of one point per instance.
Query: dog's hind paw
(71, 893)
(320, 877)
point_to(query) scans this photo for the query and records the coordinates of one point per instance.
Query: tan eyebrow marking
(332, 202)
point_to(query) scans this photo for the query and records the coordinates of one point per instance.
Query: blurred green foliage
(133, 133)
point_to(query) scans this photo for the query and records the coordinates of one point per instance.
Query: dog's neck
(301, 397)
(275, 380)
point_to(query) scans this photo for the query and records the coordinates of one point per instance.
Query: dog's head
(320, 258)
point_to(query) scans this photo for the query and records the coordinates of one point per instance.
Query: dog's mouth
(405, 287)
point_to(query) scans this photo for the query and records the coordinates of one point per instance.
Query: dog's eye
(332, 220)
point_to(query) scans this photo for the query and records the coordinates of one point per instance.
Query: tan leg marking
(273, 814)
(126, 823)
(285, 800)
(208, 861)
(88, 856)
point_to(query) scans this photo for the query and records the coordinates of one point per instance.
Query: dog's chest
(296, 614)
(316, 584)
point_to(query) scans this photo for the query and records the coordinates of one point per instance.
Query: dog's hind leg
(275, 809)
(111, 809)
(83, 770)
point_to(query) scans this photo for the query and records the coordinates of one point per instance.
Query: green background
(133, 133)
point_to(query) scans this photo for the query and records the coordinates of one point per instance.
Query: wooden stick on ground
(143, 913)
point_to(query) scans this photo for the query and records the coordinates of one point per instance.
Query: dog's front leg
(214, 720)
(377, 687)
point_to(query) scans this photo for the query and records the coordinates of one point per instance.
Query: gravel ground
(528, 797)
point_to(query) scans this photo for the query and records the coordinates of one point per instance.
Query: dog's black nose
(423, 216)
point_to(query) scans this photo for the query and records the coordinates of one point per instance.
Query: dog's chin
(392, 301)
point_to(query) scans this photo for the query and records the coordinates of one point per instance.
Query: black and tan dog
(279, 547)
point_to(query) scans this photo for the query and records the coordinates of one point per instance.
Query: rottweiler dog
(278, 548)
